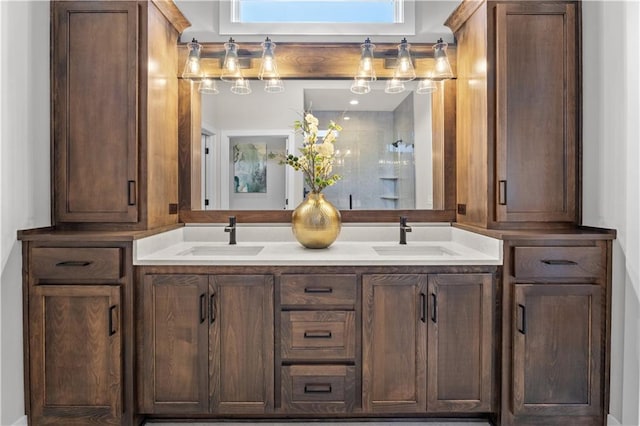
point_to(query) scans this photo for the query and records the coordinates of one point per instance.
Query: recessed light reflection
(354, 102)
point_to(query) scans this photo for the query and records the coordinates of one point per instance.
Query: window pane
(317, 11)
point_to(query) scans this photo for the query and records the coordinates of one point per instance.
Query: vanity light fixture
(426, 85)
(404, 68)
(241, 87)
(208, 86)
(360, 86)
(394, 86)
(268, 65)
(192, 66)
(231, 66)
(274, 85)
(366, 70)
(442, 69)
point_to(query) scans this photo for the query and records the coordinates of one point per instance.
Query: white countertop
(357, 245)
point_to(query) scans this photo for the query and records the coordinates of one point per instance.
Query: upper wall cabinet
(518, 112)
(115, 112)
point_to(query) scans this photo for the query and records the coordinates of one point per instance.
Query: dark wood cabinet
(460, 343)
(518, 121)
(555, 326)
(114, 125)
(207, 343)
(394, 343)
(75, 354)
(557, 343)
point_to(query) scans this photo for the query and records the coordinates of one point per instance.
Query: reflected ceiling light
(354, 102)
(208, 86)
(404, 68)
(274, 85)
(268, 66)
(427, 85)
(442, 69)
(394, 86)
(231, 66)
(192, 66)
(360, 86)
(241, 87)
(366, 70)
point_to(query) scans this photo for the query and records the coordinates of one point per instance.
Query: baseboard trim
(22, 421)
(612, 421)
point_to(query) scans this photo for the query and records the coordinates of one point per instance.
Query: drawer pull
(112, 329)
(558, 262)
(502, 192)
(212, 307)
(317, 388)
(318, 290)
(317, 334)
(131, 193)
(522, 326)
(423, 307)
(74, 263)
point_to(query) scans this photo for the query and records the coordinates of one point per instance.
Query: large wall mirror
(396, 151)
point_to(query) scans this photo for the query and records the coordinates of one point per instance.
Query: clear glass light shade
(208, 86)
(274, 85)
(366, 70)
(268, 66)
(192, 66)
(394, 86)
(231, 66)
(241, 87)
(426, 86)
(360, 86)
(442, 68)
(404, 68)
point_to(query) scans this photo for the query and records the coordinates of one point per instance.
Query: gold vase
(316, 222)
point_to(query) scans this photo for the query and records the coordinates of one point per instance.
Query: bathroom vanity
(136, 307)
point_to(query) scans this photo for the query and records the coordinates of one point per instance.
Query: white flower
(325, 149)
(311, 120)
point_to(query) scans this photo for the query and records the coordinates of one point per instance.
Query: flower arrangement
(316, 159)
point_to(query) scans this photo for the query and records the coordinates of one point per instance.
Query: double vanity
(136, 307)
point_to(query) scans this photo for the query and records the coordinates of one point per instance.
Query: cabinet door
(460, 343)
(175, 350)
(75, 354)
(557, 349)
(536, 80)
(242, 343)
(94, 77)
(394, 337)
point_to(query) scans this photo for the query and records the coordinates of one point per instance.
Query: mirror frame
(315, 61)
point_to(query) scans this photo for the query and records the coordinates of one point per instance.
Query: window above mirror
(317, 17)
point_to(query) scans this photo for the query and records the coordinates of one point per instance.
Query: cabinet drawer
(318, 335)
(558, 262)
(318, 388)
(318, 289)
(76, 262)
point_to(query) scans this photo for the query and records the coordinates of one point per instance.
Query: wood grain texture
(94, 110)
(318, 336)
(536, 111)
(75, 354)
(241, 344)
(189, 144)
(173, 14)
(559, 262)
(313, 389)
(76, 263)
(557, 360)
(460, 343)
(175, 369)
(318, 289)
(159, 127)
(394, 343)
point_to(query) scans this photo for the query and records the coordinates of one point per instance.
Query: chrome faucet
(231, 229)
(404, 228)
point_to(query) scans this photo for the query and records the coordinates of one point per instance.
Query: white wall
(24, 173)
(611, 44)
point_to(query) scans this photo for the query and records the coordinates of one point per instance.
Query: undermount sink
(226, 250)
(413, 250)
